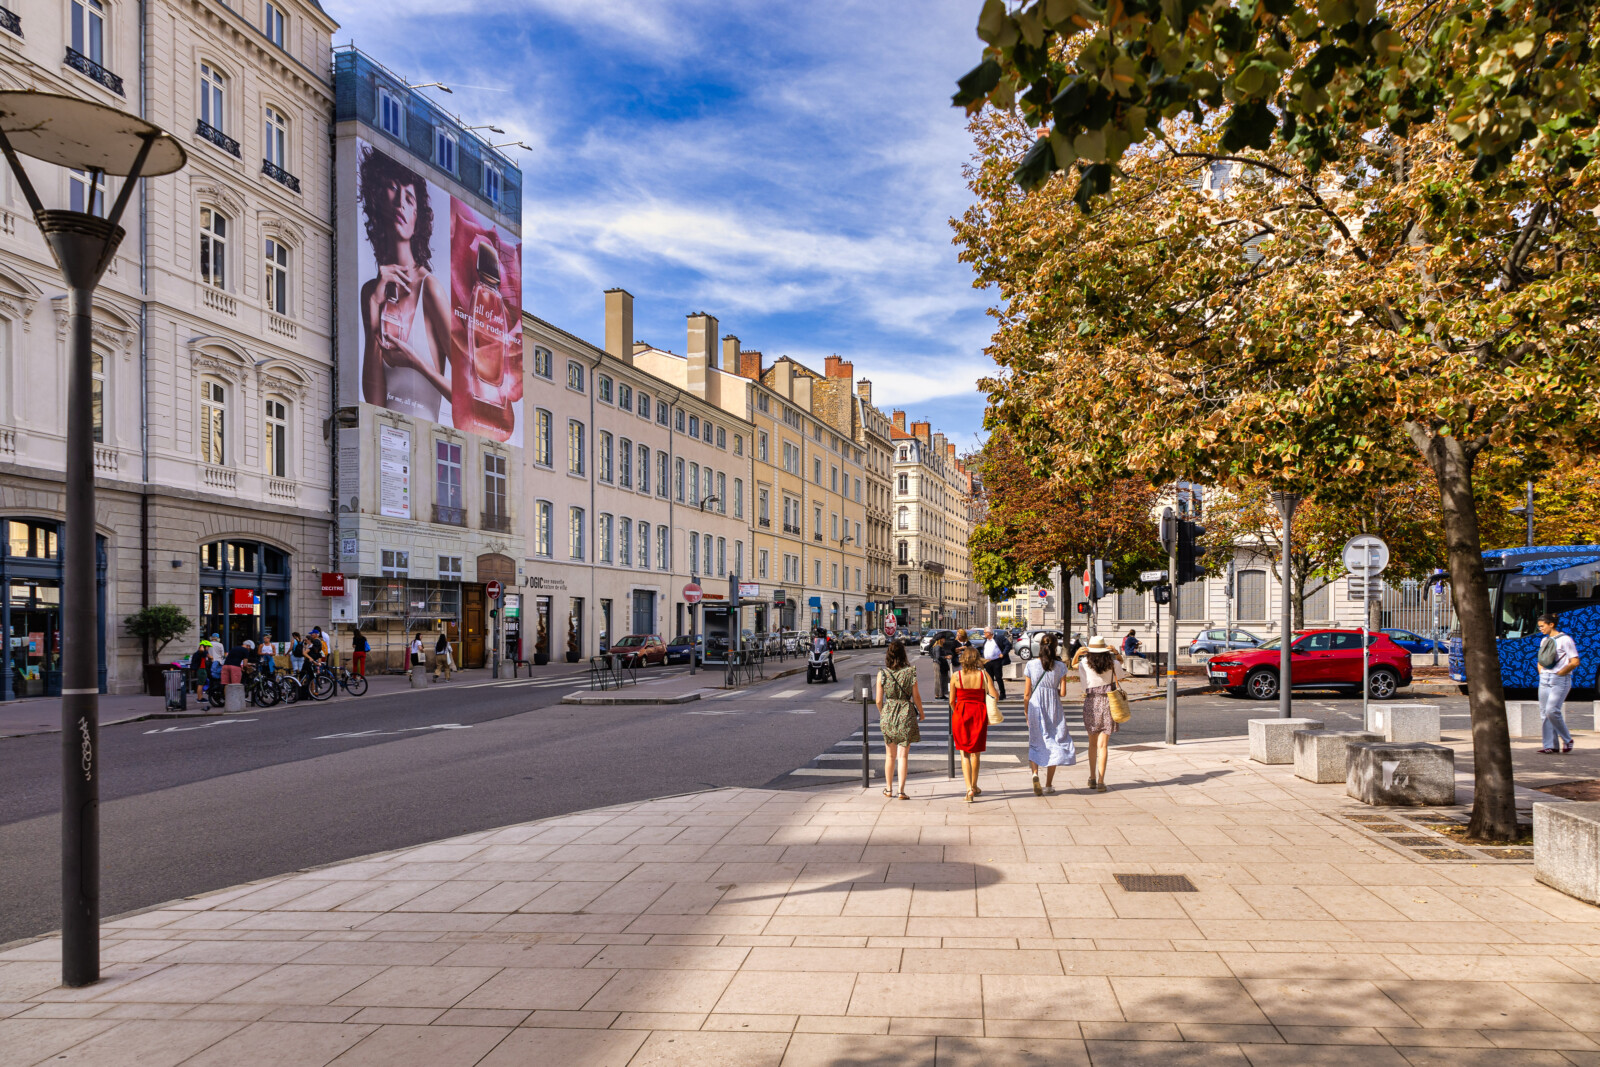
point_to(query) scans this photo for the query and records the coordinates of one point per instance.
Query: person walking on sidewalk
(1558, 658)
(415, 653)
(899, 711)
(945, 651)
(442, 659)
(1101, 667)
(1044, 686)
(359, 647)
(994, 661)
(969, 715)
(297, 653)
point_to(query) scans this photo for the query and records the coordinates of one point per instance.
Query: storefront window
(30, 607)
(244, 591)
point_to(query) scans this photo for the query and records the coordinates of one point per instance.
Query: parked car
(879, 639)
(1210, 642)
(680, 648)
(1321, 659)
(931, 636)
(640, 650)
(1415, 643)
(1027, 646)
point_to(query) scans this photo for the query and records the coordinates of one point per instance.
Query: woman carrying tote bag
(1101, 666)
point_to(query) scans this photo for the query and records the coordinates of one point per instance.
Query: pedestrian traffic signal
(1189, 553)
(1083, 607)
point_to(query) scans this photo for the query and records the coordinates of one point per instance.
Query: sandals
(902, 796)
(1038, 790)
(890, 795)
(969, 797)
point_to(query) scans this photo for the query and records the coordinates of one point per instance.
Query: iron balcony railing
(279, 175)
(86, 66)
(497, 521)
(204, 129)
(10, 21)
(448, 516)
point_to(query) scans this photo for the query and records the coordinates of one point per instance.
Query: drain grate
(1155, 883)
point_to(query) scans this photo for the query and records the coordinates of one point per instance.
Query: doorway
(472, 618)
(644, 612)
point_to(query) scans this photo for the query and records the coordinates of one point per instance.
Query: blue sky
(789, 167)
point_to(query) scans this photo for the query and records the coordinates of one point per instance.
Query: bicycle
(261, 689)
(317, 683)
(354, 684)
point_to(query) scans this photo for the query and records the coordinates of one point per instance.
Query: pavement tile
(1477, 1057)
(660, 991)
(918, 995)
(418, 987)
(278, 1044)
(186, 983)
(24, 1041)
(980, 961)
(775, 1024)
(481, 1017)
(1325, 1002)
(935, 1027)
(531, 989)
(588, 1020)
(1204, 1000)
(1551, 1039)
(1169, 1054)
(516, 954)
(295, 983)
(436, 1046)
(1298, 965)
(160, 1043)
(1482, 1005)
(710, 1049)
(858, 1050)
(1279, 1055)
(794, 960)
(791, 992)
(1575, 1004)
(1048, 997)
(659, 1020)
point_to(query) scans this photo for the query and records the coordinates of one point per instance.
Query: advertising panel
(440, 303)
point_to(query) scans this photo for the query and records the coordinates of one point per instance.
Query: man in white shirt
(993, 660)
(1558, 658)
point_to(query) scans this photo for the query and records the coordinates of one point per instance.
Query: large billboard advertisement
(440, 303)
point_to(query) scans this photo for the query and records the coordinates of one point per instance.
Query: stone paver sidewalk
(832, 926)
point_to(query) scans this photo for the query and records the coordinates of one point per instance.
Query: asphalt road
(193, 805)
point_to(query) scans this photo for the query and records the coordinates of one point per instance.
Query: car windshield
(1267, 645)
(683, 639)
(627, 642)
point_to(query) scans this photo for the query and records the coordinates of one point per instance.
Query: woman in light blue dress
(1043, 688)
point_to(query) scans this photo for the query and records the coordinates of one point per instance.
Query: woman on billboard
(406, 308)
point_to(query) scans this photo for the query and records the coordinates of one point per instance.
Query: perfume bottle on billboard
(393, 319)
(486, 335)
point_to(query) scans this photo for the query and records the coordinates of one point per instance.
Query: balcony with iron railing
(496, 521)
(92, 70)
(279, 175)
(445, 515)
(208, 132)
(10, 21)
(787, 528)
(765, 523)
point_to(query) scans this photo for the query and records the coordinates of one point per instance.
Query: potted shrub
(158, 626)
(541, 644)
(573, 651)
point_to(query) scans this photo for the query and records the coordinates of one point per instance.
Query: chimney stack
(730, 354)
(864, 390)
(619, 324)
(922, 431)
(834, 367)
(750, 364)
(900, 421)
(702, 351)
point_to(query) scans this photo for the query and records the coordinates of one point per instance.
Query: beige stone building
(212, 350)
(932, 522)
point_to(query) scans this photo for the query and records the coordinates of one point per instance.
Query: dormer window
(444, 149)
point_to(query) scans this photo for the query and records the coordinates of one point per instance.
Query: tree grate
(1155, 883)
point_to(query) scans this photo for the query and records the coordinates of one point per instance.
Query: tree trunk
(1494, 810)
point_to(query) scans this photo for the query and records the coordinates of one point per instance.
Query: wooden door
(473, 620)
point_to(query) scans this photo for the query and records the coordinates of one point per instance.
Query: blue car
(1415, 643)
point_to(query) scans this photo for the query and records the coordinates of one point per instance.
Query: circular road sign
(889, 625)
(1366, 555)
(691, 593)
(494, 589)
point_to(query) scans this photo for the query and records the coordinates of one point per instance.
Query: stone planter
(1408, 775)
(1566, 848)
(1272, 740)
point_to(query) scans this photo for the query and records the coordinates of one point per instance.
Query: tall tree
(1271, 240)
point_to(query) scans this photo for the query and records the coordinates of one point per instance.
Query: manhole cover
(1155, 883)
(1444, 854)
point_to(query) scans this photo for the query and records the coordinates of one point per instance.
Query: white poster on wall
(394, 472)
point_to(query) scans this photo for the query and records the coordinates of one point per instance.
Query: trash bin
(177, 691)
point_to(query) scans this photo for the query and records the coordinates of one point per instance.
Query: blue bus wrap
(1525, 583)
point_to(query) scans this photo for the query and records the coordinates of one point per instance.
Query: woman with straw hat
(1100, 665)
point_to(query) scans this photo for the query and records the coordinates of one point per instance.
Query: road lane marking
(202, 726)
(387, 733)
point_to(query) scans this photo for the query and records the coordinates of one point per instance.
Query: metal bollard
(863, 693)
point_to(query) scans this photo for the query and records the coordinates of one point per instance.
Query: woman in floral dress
(899, 711)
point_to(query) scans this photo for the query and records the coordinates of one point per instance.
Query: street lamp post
(69, 132)
(1286, 504)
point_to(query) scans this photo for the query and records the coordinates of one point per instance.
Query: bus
(1524, 583)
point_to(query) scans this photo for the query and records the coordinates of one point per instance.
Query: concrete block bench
(1566, 848)
(1411, 774)
(1272, 740)
(1523, 717)
(1406, 722)
(1319, 755)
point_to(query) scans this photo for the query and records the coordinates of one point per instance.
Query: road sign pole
(1287, 503)
(1172, 646)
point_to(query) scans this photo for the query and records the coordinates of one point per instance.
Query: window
(762, 402)
(835, 519)
(624, 396)
(722, 437)
(663, 560)
(791, 458)
(705, 484)
(542, 531)
(738, 444)
(543, 362)
(575, 530)
(602, 388)
(277, 439)
(444, 149)
(661, 474)
(1318, 605)
(272, 24)
(904, 484)
(1130, 604)
(494, 491)
(833, 474)
(763, 507)
(395, 563)
(738, 498)
(816, 470)
(89, 29)
(858, 533)
(213, 248)
(761, 563)
(722, 493)
(903, 518)
(447, 479)
(605, 455)
(575, 375)
(858, 493)
(678, 475)
(625, 542)
(816, 523)
(905, 553)
(543, 446)
(661, 413)
(722, 557)
(816, 572)
(603, 555)
(738, 558)
(491, 184)
(275, 145)
(705, 544)
(574, 446)
(694, 426)
(78, 196)
(644, 468)
(694, 552)
(1191, 601)
(761, 446)
(707, 435)
(625, 463)
(213, 97)
(694, 483)
(905, 585)
(391, 114)
(97, 395)
(644, 545)
(644, 405)
(1253, 595)
(835, 572)
(449, 568)
(213, 422)
(277, 281)
(858, 579)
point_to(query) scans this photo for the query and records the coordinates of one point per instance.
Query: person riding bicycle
(316, 652)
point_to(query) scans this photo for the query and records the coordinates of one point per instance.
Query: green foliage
(160, 624)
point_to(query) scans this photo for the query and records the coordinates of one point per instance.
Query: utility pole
(1286, 504)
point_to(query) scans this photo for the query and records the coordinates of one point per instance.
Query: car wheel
(1024, 653)
(1382, 683)
(1262, 684)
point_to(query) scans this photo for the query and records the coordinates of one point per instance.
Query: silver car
(1027, 646)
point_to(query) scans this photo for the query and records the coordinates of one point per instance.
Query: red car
(1320, 659)
(640, 650)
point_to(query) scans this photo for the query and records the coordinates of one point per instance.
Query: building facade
(212, 358)
(931, 527)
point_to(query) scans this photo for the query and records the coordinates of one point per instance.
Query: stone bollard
(416, 678)
(233, 697)
(1319, 755)
(1523, 717)
(1404, 723)
(1410, 774)
(1272, 740)
(1566, 848)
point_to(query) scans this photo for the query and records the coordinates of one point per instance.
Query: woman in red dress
(969, 715)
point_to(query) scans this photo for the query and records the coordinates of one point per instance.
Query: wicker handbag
(1119, 704)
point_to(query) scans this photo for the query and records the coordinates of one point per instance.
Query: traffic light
(1189, 553)
(1163, 593)
(1169, 529)
(1083, 607)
